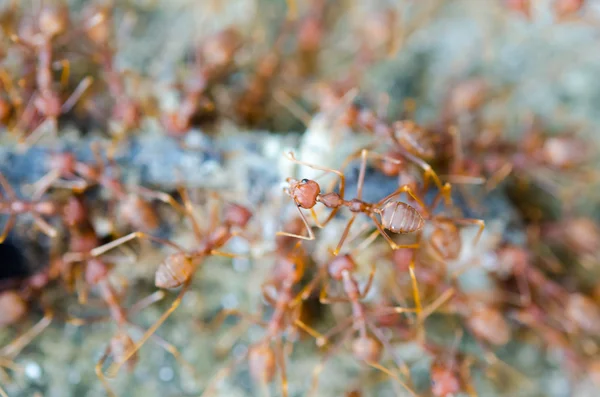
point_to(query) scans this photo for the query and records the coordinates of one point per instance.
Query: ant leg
(27, 116)
(368, 241)
(132, 236)
(50, 124)
(44, 226)
(437, 303)
(325, 299)
(306, 291)
(15, 347)
(147, 301)
(369, 283)
(436, 201)
(280, 356)
(189, 210)
(321, 340)
(469, 221)
(311, 235)
(415, 288)
(429, 173)
(402, 367)
(319, 368)
(361, 173)
(171, 349)
(344, 235)
(65, 65)
(223, 314)
(161, 196)
(392, 375)
(498, 176)
(44, 183)
(208, 391)
(115, 366)
(284, 99)
(76, 95)
(402, 189)
(100, 374)
(9, 225)
(388, 238)
(8, 190)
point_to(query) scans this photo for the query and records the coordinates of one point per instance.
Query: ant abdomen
(119, 345)
(400, 217)
(13, 308)
(367, 349)
(339, 264)
(174, 271)
(262, 363)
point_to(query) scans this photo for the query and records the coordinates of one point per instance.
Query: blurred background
(163, 99)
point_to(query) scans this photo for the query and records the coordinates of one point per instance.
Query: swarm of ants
(381, 265)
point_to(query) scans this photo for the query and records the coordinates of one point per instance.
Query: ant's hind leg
(114, 367)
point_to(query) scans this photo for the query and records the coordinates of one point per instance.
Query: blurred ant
(12, 206)
(267, 354)
(82, 240)
(214, 61)
(52, 21)
(178, 268)
(67, 171)
(125, 111)
(368, 346)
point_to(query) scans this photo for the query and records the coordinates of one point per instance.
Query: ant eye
(304, 181)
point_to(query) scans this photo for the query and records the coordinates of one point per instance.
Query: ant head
(63, 162)
(339, 264)
(444, 381)
(95, 271)
(48, 104)
(367, 348)
(292, 268)
(237, 215)
(304, 192)
(12, 306)
(99, 25)
(53, 20)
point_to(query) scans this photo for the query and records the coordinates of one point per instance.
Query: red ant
(450, 370)
(82, 240)
(214, 61)
(178, 268)
(37, 208)
(52, 22)
(368, 345)
(131, 207)
(125, 110)
(267, 354)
